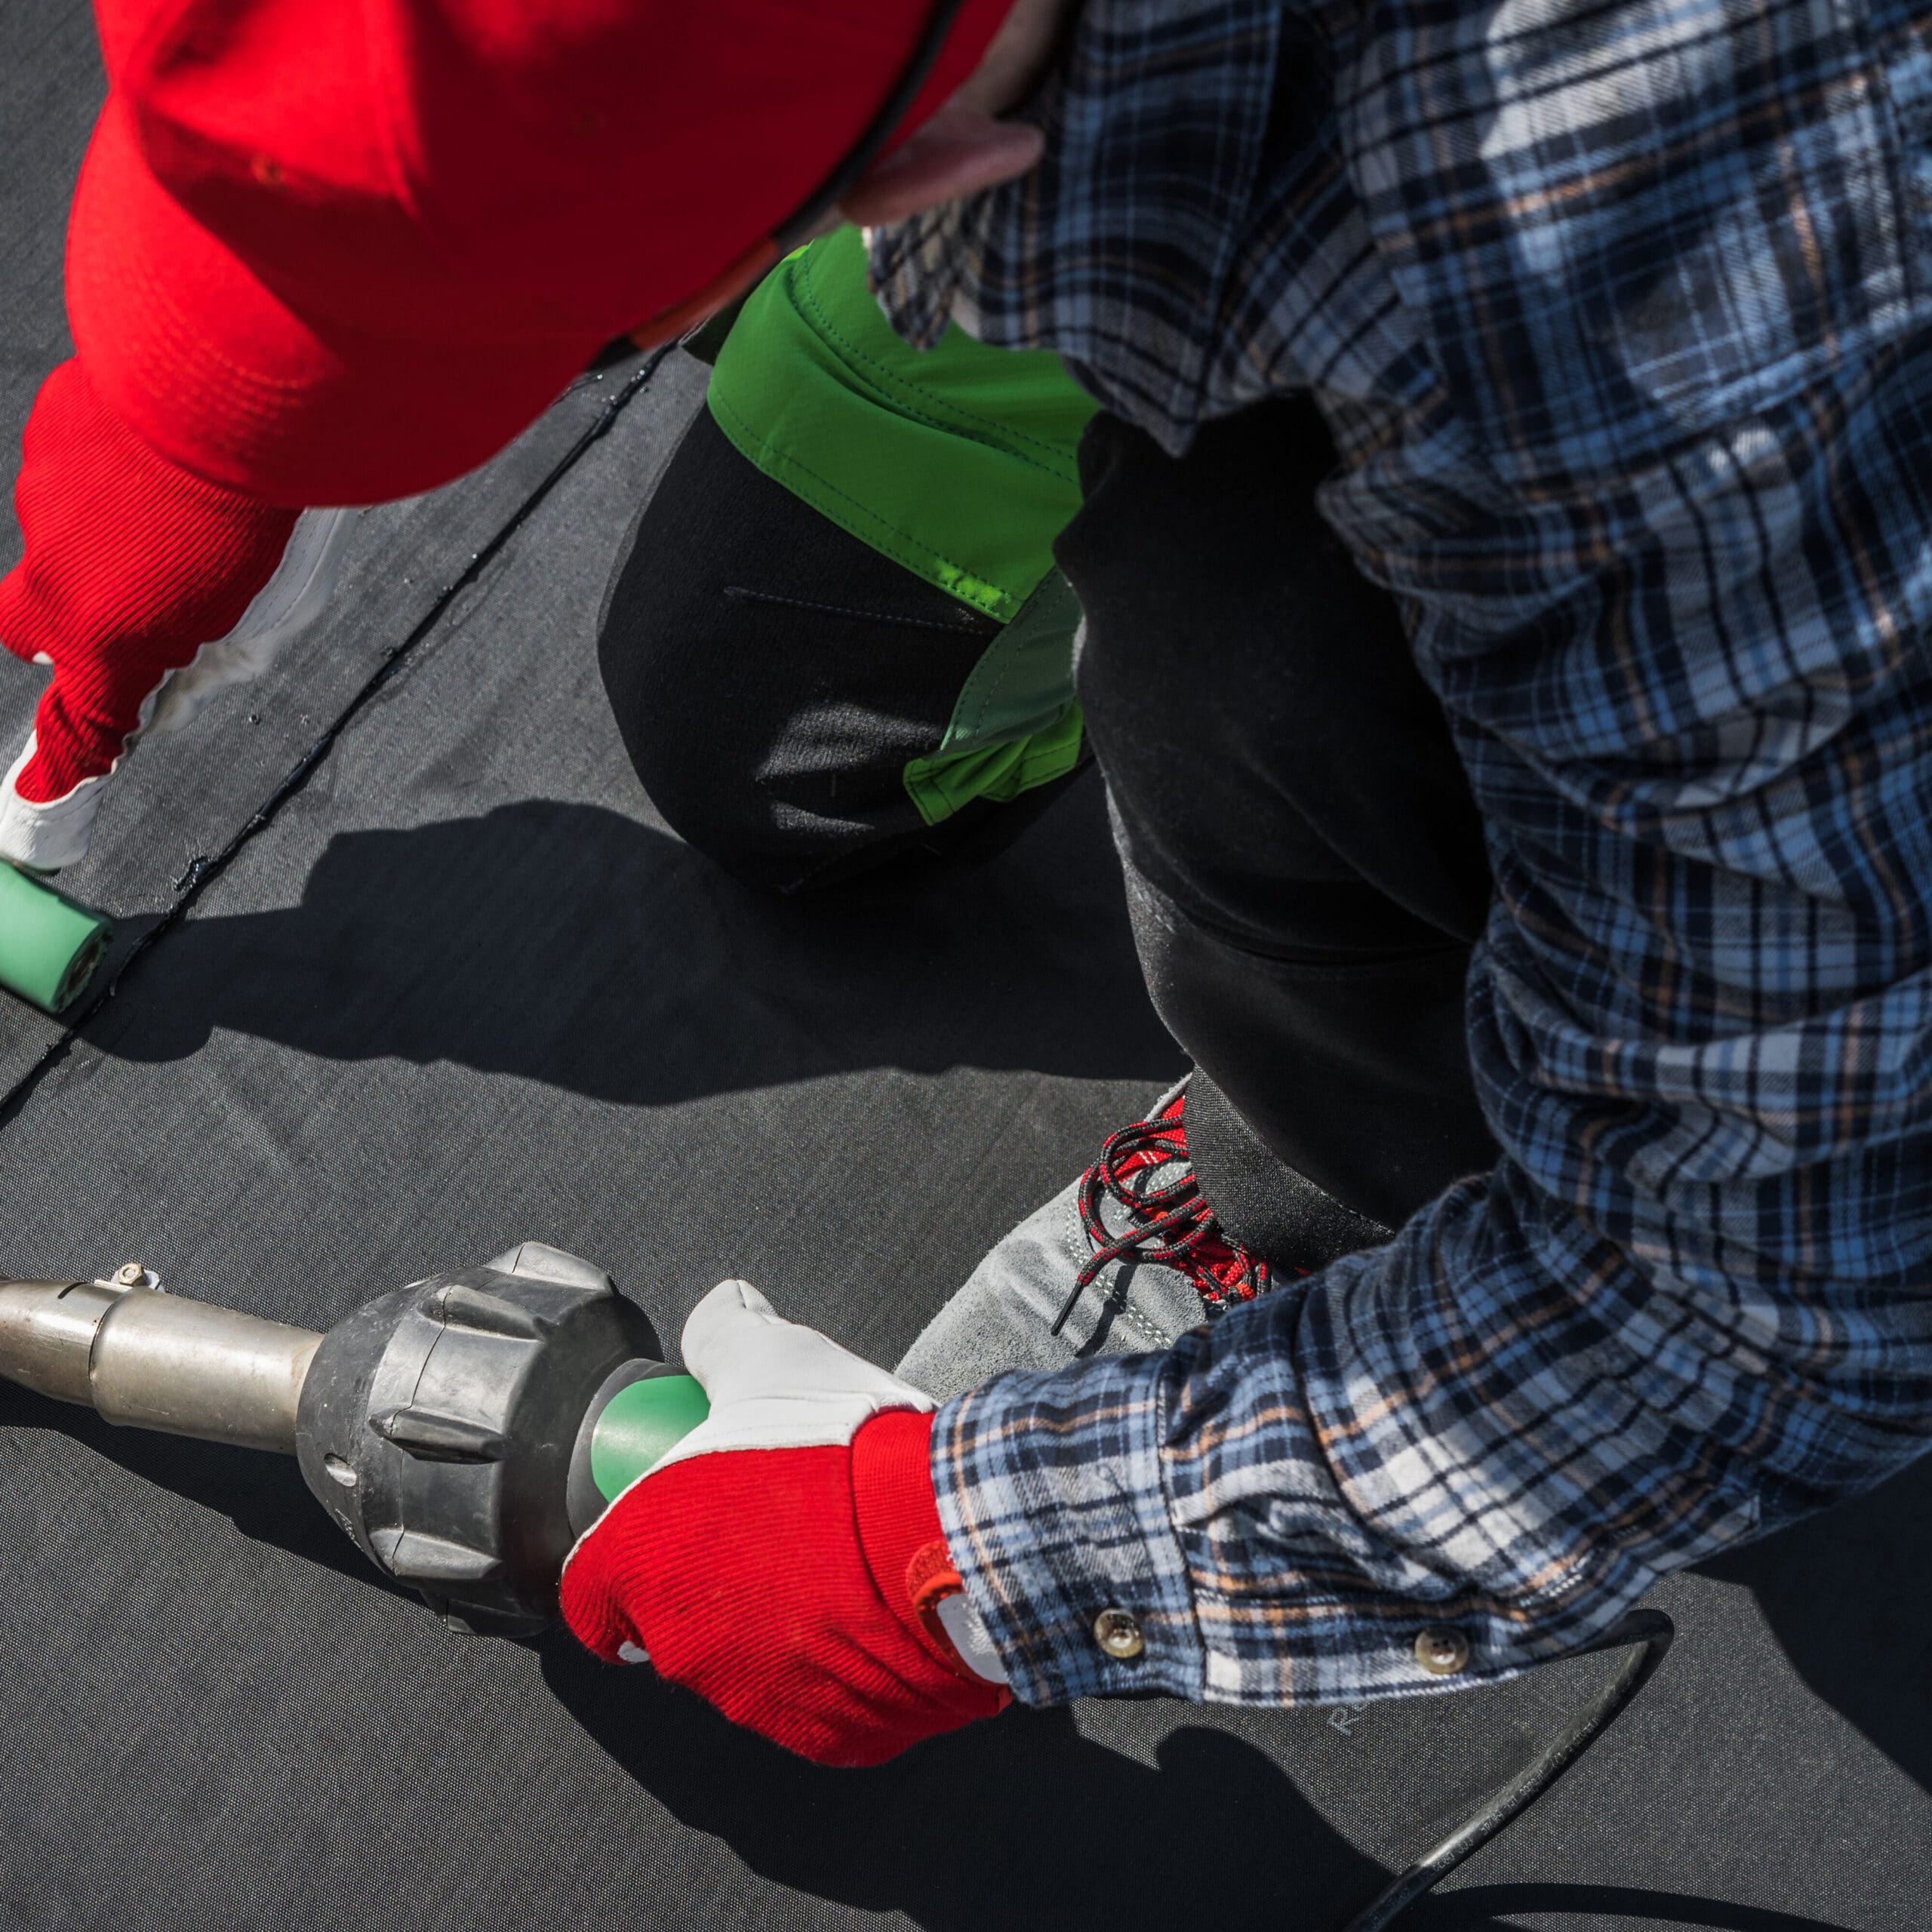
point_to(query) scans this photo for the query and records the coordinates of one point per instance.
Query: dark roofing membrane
(460, 986)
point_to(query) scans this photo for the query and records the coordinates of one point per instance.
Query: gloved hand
(784, 1561)
(146, 589)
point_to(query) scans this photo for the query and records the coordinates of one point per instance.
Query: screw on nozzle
(130, 1274)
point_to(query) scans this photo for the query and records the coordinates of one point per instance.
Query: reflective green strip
(941, 784)
(1015, 724)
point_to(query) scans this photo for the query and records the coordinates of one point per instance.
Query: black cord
(1649, 1633)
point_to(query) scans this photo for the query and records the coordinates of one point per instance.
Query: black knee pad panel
(772, 675)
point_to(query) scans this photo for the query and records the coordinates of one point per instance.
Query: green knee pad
(958, 463)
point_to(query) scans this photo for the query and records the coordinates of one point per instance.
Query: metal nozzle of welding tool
(152, 1360)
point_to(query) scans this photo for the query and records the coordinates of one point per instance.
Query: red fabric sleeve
(131, 564)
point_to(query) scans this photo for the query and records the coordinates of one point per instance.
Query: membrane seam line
(204, 869)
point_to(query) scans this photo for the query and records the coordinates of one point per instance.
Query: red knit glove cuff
(130, 565)
(900, 1531)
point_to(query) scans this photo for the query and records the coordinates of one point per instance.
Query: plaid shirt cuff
(1049, 1492)
(1278, 1538)
(1057, 1508)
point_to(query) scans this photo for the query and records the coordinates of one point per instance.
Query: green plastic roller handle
(638, 1426)
(49, 946)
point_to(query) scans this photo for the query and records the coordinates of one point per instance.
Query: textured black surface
(462, 988)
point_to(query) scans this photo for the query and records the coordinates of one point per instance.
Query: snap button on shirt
(1442, 1653)
(1118, 1632)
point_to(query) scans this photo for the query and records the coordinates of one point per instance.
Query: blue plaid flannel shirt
(1622, 315)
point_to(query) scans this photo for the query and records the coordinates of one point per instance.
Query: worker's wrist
(1050, 1490)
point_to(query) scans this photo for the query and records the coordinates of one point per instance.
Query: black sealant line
(206, 868)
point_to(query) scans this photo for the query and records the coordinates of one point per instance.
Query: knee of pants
(1251, 697)
(1305, 861)
(772, 676)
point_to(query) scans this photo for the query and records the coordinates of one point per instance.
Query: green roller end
(49, 946)
(638, 1425)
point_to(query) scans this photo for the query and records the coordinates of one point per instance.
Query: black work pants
(773, 677)
(1304, 862)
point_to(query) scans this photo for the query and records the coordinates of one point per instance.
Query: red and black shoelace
(1169, 1224)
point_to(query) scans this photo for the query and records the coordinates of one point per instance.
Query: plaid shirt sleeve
(1624, 319)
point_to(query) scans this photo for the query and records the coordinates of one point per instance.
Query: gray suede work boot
(1127, 1258)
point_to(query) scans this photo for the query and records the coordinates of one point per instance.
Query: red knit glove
(134, 570)
(785, 1560)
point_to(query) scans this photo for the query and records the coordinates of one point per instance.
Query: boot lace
(1169, 1224)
